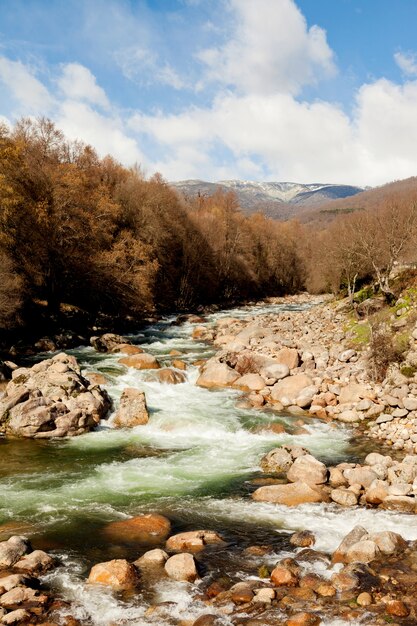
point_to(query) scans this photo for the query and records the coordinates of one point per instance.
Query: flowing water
(193, 462)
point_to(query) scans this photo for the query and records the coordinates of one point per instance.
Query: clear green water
(193, 462)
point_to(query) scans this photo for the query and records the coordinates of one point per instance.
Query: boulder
(307, 469)
(96, 378)
(353, 392)
(288, 390)
(142, 361)
(22, 595)
(292, 494)
(215, 374)
(170, 376)
(388, 542)
(12, 550)
(51, 399)
(106, 342)
(283, 576)
(117, 574)
(364, 551)
(403, 504)
(356, 534)
(193, 541)
(36, 563)
(344, 497)
(250, 382)
(277, 461)
(181, 567)
(132, 409)
(288, 357)
(19, 616)
(363, 476)
(144, 529)
(152, 559)
(303, 539)
(274, 371)
(127, 348)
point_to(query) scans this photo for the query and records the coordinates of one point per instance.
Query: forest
(83, 232)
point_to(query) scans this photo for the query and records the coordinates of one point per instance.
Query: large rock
(353, 392)
(292, 494)
(288, 357)
(250, 382)
(274, 371)
(107, 342)
(51, 399)
(358, 533)
(142, 361)
(144, 529)
(277, 461)
(290, 389)
(170, 376)
(12, 550)
(217, 374)
(132, 409)
(117, 574)
(193, 541)
(36, 563)
(307, 469)
(181, 567)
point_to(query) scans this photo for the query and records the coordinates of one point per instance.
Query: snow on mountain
(276, 199)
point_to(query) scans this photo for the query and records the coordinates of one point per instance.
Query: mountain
(280, 200)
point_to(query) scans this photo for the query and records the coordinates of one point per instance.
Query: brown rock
(307, 469)
(363, 551)
(132, 409)
(117, 574)
(277, 461)
(208, 620)
(283, 576)
(288, 357)
(170, 376)
(303, 539)
(241, 593)
(181, 567)
(193, 541)
(142, 361)
(364, 599)
(403, 504)
(22, 595)
(344, 497)
(144, 529)
(250, 382)
(397, 608)
(96, 379)
(355, 535)
(215, 374)
(179, 364)
(326, 590)
(19, 616)
(127, 348)
(304, 619)
(36, 563)
(288, 390)
(152, 559)
(12, 550)
(292, 494)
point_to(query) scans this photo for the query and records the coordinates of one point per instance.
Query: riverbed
(194, 462)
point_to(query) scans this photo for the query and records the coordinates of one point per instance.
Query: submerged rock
(144, 529)
(51, 399)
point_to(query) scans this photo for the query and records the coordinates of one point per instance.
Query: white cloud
(24, 87)
(269, 50)
(142, 65)
(104, 132)
(407, 62)
(78, 83)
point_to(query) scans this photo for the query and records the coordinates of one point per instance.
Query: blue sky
(309, 91)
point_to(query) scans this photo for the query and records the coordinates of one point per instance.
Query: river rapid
(194, 462)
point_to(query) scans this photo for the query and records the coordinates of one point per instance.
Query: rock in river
(51, 399)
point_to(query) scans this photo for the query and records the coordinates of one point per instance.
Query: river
(194, 462)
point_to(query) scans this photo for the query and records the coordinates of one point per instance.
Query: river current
(194, 462)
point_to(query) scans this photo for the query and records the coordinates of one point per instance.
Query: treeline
(365, 246)
(83, 231)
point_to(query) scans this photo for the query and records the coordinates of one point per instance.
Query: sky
(271, 90)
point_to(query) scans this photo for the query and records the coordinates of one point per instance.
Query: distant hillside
(280, 200)
(369, 199)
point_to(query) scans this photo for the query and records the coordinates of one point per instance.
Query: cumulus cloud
(78, 83)
(407, 62)
(24, 87)
(269, 50)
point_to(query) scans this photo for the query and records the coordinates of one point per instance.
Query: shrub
(384, 351)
